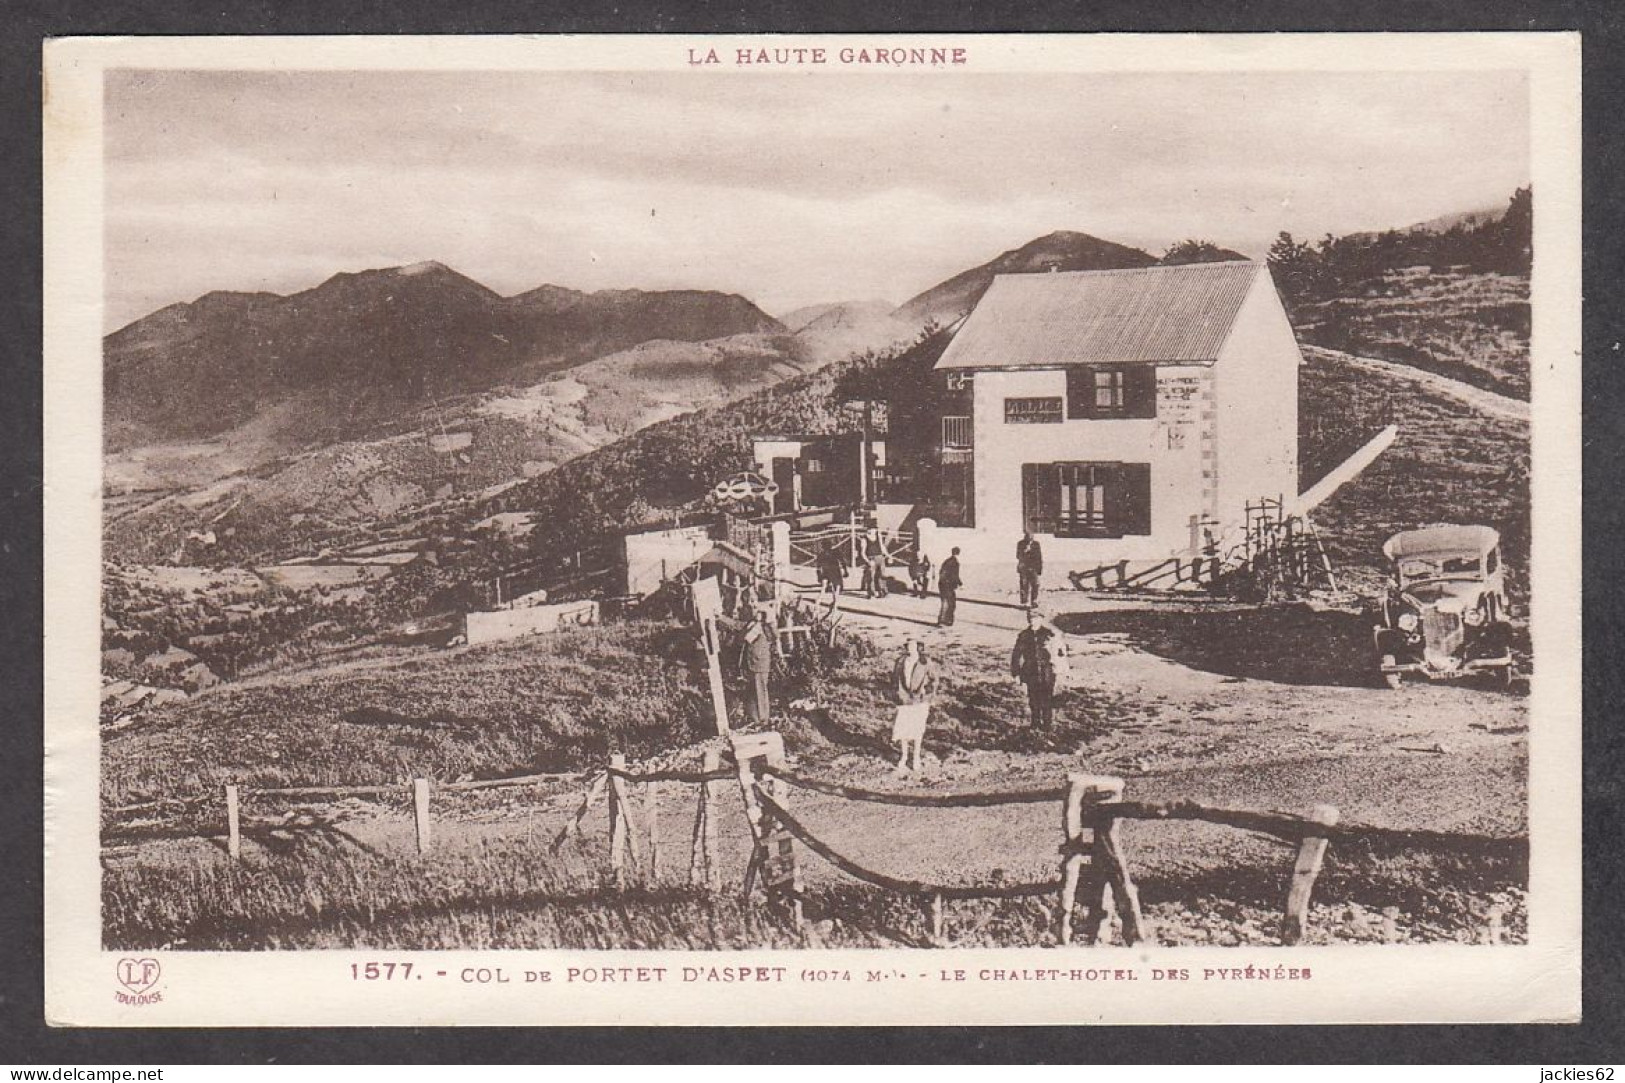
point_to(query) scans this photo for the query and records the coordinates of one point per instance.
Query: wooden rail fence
(1094, 877)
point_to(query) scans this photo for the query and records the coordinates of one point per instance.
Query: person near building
(948, 588)
(919, 574)
(1033, 662)
(914, 682)
(1029, 567)
(756, 652)
(874, 565)
(831, 571)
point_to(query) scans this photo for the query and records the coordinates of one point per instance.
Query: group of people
(1038, 659)
(832, 573)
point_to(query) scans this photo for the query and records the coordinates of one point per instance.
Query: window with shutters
(1086, 500)
(1123, 391)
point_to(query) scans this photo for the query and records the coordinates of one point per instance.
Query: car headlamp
(1408, 621)
(1474, 617)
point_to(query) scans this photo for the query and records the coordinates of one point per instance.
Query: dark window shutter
(1128, 499)
(1080, 392)
(1140, 391)
(1029, 496)
(1040, 497)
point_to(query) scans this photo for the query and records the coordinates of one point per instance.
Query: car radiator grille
(1442, 639)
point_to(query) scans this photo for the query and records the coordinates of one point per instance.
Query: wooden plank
(420, 809)
(234, 831)
(1311, 854)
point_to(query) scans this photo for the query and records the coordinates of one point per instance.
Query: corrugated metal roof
(1167, 314)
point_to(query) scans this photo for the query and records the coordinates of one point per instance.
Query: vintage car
(1445, 614)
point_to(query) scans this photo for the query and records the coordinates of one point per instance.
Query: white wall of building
(1256, 389)
(657, 554)
(1170, 443)
(496, 625)
(765, 451)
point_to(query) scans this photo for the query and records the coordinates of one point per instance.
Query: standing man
(1033, 663)
(1029, 566)
(948, 587)
(874, 557)
(756, 663)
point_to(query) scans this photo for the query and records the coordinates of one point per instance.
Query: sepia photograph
(821, 499)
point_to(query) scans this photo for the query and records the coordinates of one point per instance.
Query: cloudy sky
(790, 189)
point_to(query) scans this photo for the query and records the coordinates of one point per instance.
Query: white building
(1117, 415)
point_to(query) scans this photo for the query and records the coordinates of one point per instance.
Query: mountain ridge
(1061, 250)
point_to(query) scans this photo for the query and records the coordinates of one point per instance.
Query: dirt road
(1488, 402)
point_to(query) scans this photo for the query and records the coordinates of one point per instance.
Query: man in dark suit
(1029, 566)
(948, 587)
(1033, 664)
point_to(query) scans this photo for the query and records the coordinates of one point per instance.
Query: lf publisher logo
(139, 976)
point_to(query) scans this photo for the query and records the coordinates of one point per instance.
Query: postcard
(903, 529)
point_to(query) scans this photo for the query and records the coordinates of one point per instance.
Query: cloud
(790, 189)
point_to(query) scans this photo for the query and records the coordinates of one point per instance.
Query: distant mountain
(1444, 223)
(362, 347)
(1060, 251)
(1466, 219)
(836, 314)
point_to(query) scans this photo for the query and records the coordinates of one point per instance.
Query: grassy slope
(1470, 327)
(1450, 464)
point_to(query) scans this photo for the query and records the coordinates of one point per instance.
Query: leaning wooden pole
(1311, 854)
(1110, 887)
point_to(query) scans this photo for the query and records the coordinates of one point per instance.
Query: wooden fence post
(1311, 852)
(1110, 885)
(420, 807)
(616, 791)
(702, 865)
(651, 795)
(773, 858)
(1072, 857)
(234, 830)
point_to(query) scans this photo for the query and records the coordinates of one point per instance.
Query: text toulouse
(793, 56)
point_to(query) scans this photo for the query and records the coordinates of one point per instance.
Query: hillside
(1469, 327)
(361, 347)
(1450, 295)
(1059, 251)
(453, 449)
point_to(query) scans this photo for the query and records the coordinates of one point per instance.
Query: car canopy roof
(1440, 540)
